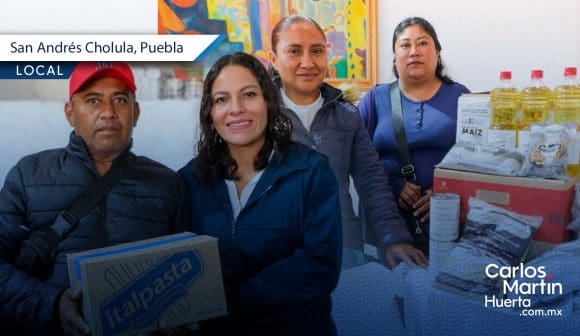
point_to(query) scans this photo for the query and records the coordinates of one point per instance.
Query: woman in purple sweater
(429, 104)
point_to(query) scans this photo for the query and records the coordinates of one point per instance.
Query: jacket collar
(330, 96)
(278, 167)
(330, 93)
(77, 148)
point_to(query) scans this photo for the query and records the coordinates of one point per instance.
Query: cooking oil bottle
(536, 100)
(536, 103)
(505, 101)
(567, 99)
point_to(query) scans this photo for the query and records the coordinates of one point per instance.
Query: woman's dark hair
(284, 24)
(214, 160)
(428, 28)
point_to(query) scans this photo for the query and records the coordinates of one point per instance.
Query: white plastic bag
(483, 158)
(550, 151)
(492, 235)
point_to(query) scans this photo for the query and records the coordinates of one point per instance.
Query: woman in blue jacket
(322, 119)
(273, 204)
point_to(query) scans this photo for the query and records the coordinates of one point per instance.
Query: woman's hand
(421, 207)
(410, 194)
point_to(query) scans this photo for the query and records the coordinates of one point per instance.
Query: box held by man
(128, 288)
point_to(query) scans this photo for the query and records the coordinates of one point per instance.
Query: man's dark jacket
(147, 202)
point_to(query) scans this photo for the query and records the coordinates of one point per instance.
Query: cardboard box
(551, 199)
(473, 122)
(473, 117)
(128, 288)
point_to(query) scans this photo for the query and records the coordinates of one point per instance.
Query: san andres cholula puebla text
(93, 47)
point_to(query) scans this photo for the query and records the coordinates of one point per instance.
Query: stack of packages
(516, 188)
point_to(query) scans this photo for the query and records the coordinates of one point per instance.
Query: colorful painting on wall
(349, 25)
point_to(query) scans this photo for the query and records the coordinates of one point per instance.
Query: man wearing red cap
(102, 109)
(147, 200)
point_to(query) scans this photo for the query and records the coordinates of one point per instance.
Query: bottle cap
(570, 71)
(505, 75)
(537, 74)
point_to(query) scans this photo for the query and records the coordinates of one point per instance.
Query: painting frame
(354, 34)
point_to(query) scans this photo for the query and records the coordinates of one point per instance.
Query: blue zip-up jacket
(337, 131)
(281, 256)
(149, 201)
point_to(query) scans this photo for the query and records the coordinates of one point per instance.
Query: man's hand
(408, 254)
(69, 308)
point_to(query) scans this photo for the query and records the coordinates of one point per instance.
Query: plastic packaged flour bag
(483, 158)
(491, 236)
(550, 151)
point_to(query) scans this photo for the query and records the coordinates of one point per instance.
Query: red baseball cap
(86, 71)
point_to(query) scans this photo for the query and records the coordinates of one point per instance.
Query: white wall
(78, 17)
(481, 38)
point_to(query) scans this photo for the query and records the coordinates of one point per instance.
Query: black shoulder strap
(69, 218)
(376, 97)
(407, 168)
